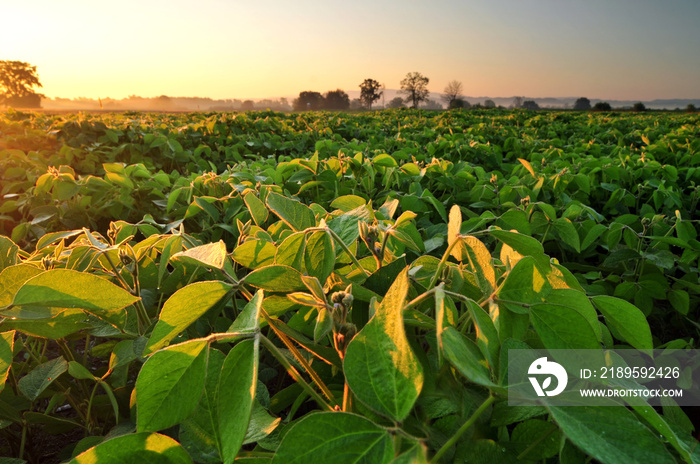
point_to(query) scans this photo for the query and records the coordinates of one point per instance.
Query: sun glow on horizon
(221, 50)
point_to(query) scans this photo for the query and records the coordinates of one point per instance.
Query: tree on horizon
(369, 92)
(17, 80)
(452, 93)
(336, 100)
(415, 87)
(582, 104)
(309, 100)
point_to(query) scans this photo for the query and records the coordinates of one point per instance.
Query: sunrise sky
(607, 49)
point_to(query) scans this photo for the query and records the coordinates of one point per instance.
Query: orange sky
(609, 49)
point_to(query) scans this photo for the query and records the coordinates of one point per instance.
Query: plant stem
(295, 352)
(294, 373)
(23, 442)
(442, 262)
(549, 226)
(347, 398)
(345, 248)
(419, 299)
(88, 425)
(450, 443)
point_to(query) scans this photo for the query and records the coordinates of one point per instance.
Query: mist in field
(164, 103)
(175, 104)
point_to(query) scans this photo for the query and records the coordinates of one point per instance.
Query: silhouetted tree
(369, 92)
(248, 105)
(415, 87)
(488, 104)
(17, 80)
(531, 105)
(337, 100)
(639, 107)
(582, 104)
(396, 102)
(452, 92)
(308, 100)
(517, 102)
(602, 106)
(458, 103)
(690, 108)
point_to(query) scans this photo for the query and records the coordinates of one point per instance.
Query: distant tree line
(18, 80)
(414, 87)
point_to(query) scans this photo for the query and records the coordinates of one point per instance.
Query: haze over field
(635, 50)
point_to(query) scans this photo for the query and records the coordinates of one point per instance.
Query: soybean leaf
(249, 319)
(442, 318)
(573, 299)
(337, 437)
(523, 244)
(199, 433)
(528, 166)
(509, 256)
(7, 343)
(275, 278)
(380, 367)
(64, 288)
(324, 324)
(662, 426)
(524, 285)
(236, 393)
(346, 228)
(465, 357)
(348, 202)
(592, 235)
(625, 319)
(169, 385)
(33, 384)
(78, 371)
(381, 280)
(405, 218)
(320, 255)
(612, 435)
(205, 203)
(680, 300)
(254, 253)
(8, 252)
(453, 229)
(480, 261)
(261, 424)
(183, 308)
(12, 278)
(560, 328)
(291, 251)
(67, 322)
(409, 236)
(486, 333)
(210, 255)
(295, 214)
(567, 232)
(136, 448)
(256, 208)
